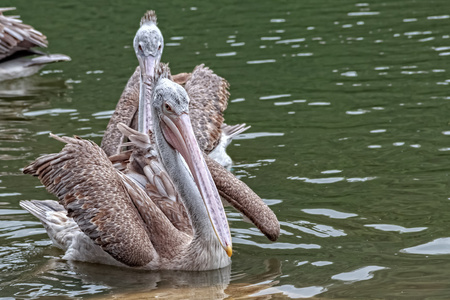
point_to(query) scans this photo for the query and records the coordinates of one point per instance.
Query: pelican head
(148, 44)
(170, 103)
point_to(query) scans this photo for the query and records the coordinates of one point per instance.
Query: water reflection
(29, 87)
(134, 284)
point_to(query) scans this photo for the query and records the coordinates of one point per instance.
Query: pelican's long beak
(178, 132)
(148, 65)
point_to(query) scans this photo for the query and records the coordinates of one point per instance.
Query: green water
(350, 143)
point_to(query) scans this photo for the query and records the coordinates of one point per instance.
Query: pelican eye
(167, 107)
(159, 48)
(140, 48)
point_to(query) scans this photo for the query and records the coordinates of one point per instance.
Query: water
(350, 142)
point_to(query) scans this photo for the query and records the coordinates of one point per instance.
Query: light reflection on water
(349, 144)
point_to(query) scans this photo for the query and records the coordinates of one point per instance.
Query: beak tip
(228, 250)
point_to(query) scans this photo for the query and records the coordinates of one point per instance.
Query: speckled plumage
(154, 178)
(209, 97)
(95, 196)
(124, 113)
(118, 223)
(202, 84)
(134, 218)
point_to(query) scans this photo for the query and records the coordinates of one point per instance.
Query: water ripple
(262, 61)
(319, 103)
(319, 230)
(274, 97)
(438, 17)
(275, 245)
(52, 112)
(289, 41)
(254, 135)
(363, 13)
(331, 213)
(103, 114)
(331, 179)
(360, 274)
(226, 54)
(436, 247)
(291, 291)
(395, 228)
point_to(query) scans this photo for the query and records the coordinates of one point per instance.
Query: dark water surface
(349, 105)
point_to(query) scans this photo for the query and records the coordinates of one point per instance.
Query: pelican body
(208, 95)
(118, 223)
(162, 208)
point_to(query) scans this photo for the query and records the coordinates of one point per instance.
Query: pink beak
(178, 132)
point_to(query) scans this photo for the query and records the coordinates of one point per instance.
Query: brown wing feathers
(209, 95)
(159, 185)
(125, 112)
(89, 187)
(16, 36)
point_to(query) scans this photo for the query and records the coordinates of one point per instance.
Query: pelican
(106, 217)
(17, 56)
(208, 94)
(207, 91)
(164, 210)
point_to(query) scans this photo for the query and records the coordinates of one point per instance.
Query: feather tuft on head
(163, 71)
(149, 17)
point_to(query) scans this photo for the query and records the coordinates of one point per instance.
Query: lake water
(349, 104)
